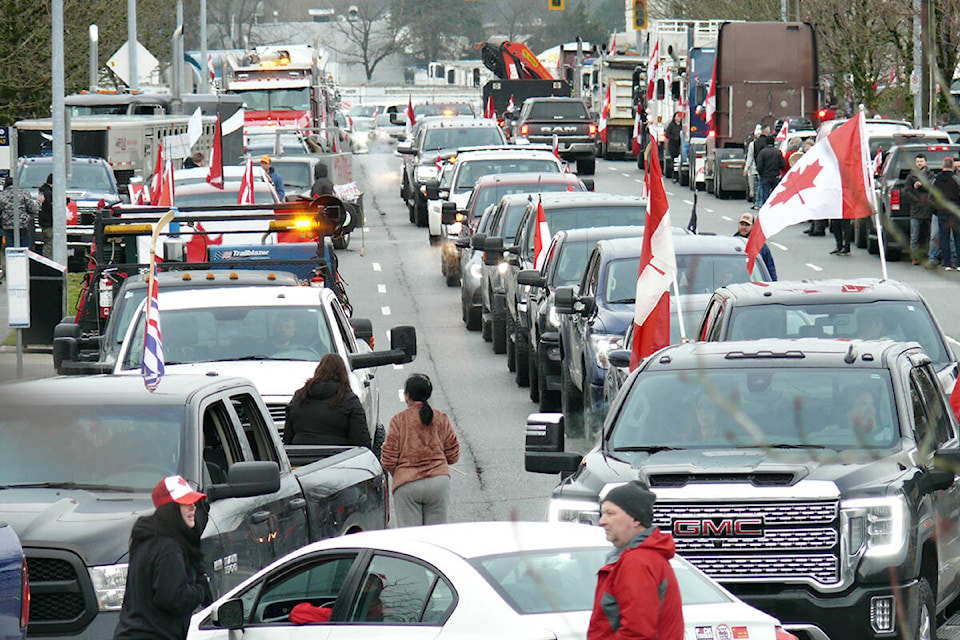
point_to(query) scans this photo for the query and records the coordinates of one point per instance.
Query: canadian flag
(637, 130)
(210, 68)
(246, 185)
(157, 175)
(604, 114)
(878, 161)
(782, 134)
(166, 197)
(710, 103)
(489, 111)
(652, 66)
(955, 400)
(833, 181)
(439, 164)
(613, 46)
(411, 118)
(556, 146)
(215, 171)
(510, 105)
(541, 237)
(658, 269)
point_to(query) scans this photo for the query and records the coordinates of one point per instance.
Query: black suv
(894, 201)
(809, 477)
(567, 119)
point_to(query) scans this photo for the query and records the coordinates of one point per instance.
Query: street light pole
(59, 142)
(132, 43)
(94, 55)
(204, 56)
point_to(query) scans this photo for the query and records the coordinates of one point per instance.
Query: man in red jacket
(637, 593)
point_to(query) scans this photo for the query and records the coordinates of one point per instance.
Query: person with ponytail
(419, 447)
(166, 577)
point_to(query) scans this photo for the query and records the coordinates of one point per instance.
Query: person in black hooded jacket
(166, 578)
(325, 410)
(322, 184)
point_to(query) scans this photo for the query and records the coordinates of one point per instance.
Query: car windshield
(587, 215)
(775, 406)
(364, 111)
(294, 174)
(422, 110)
(559, 110)
(480, 199)
(906, 161)
(699, 273)
(237, 333)
(900, 320)
(96, 444)
(266, 145)
(276, 99)
(472, 170)
(562, 580)
(450, 137)
(85, 177)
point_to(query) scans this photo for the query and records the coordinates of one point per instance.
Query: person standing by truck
(166, 579)
(273, 176)
(419, 448)
(45, 219)
(921, 210)
(24, 206)
(325, 410)
(673, 133)
(770, 165)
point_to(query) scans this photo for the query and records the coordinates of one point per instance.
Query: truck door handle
(259, 517)
(297, 503)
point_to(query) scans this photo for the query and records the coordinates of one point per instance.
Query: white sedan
(473, 580)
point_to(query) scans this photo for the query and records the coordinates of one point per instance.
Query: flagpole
(676, 293)
(880, 243)
(164, 221)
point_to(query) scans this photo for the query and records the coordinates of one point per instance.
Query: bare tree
(369, 36)
(513, 19)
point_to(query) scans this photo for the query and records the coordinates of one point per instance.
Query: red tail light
(24, 596)
(895, 200)
(712, 134)
(822, 113)
(524, 129)
(592, 129)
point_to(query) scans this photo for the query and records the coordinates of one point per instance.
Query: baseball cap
(175, 489)
(264, 159)
(748, 218)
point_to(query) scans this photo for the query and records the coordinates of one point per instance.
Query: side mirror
(247, 479)
(363, 330)
(462, 242)
(478, 241)
(403, 350)
(432, 188)
(588, 183)
(531, 277)
(619, 358)
(545, 443)
(493, 251)
(563, 300)
(585, 305)
(448, 213)
(229, 615)
(405, 149)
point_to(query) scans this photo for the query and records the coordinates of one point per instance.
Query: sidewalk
(36, 364)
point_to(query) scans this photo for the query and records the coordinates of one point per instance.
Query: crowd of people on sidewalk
(934, 201)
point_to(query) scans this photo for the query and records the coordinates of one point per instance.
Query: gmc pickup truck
(81, 455)
(815, 479)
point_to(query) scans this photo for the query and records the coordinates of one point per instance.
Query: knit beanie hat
(636, 499)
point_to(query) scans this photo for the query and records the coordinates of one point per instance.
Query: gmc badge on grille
(687, 528)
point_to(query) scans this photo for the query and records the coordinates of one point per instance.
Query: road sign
(914, 83)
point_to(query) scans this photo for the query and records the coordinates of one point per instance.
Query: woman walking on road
(325, 410)
(166, 578)
(420, 446)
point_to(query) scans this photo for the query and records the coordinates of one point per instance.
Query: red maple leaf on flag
(795, 182)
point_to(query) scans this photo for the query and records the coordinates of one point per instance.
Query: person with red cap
(166, 575)
(637, 593)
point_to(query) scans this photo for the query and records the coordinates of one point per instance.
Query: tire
(511, 344)
(894, 254)
(533, 375)
(486, 329)
(452, 279)
(522, 359)
(420, 211)
(499, 333)
(571, 404)
(434, 240)
(926, 628)
(549, 400)
(472, 319)
(379, 435)
(410, 212)
(684, 178)
(342, 242)
(586, 167)
(873, 246)
(718, 188)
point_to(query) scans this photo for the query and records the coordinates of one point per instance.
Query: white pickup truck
(273, 335)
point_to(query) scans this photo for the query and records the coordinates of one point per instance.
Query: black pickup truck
(566, 120)
(80, 458)
(815, 479)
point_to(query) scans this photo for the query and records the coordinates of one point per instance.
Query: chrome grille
(775, 540)
(808, 512)
(822, 568)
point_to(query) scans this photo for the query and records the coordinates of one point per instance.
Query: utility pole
(132, 43)
(94, 58)
(916, 76)
(60, 134)
(204, 56)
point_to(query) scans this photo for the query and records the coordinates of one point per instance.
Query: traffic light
(556, 5)
(639, 14)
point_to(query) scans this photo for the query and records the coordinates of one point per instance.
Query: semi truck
(620, 74)
(765, 71)
(690, 166)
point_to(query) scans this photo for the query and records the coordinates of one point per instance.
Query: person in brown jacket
(419, 446)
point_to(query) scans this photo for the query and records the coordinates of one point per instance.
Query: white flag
(194, 128)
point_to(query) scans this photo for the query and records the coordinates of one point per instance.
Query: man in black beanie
(637, 593)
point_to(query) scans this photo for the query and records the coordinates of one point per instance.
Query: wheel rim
(923, 626)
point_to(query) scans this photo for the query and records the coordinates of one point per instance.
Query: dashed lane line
(814, 267)
(381, 288)
(377, 267)
(385, 311)
(778, 245)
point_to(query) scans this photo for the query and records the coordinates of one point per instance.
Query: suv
(91, 185)
(823, 485)
(595, 316)
(567, 119)
(420, 155)
(829, 309)
(894, 208)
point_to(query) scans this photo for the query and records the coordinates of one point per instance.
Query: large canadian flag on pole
(833, 180)
(637, 130)
(215, 171)
(658, 269)
(411, 118)
(604, 114)
(652, 66)
(541, 237)
(166, 197)
(245, 196)
(157, 176)
(710, 103)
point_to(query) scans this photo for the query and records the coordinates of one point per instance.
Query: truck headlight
(109, 583)
(878, 526)
(582, 511)
(604, 343)
(424, 172)
(503, 267)
(476, 271)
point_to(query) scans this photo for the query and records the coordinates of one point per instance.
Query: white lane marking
(708, 210)
(690, 202)
(385, 310)
(625, 175)
(814, 267)
(778, 245)
(381, 288)
(638, 180)
(366, 229)
(612, 167)
(727, 218)
(400, 394)
(377, 267)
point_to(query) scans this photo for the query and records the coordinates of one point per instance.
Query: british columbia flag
(152, 368)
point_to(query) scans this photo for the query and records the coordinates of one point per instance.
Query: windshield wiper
(785, 446)
(622, 301)
(68, 485)
(645, 449)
